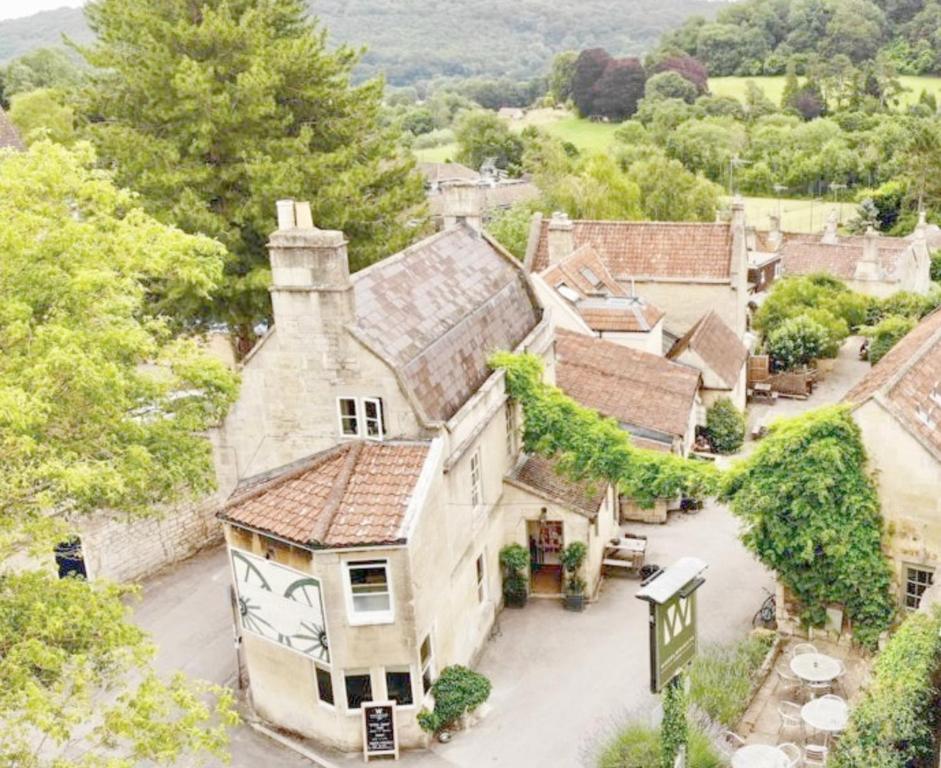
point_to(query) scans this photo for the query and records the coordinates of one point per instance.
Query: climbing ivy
(812, 515)
(589, 446)
(674, 731)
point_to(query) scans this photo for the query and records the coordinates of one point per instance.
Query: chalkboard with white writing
(379, 736)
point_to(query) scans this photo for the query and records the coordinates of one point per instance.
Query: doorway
(545, 556)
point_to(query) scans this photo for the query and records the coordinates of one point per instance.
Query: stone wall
(130, 550)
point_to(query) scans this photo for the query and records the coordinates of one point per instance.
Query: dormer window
(361, 417)
(591, 277)
(568, 293)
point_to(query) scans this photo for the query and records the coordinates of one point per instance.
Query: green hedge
(457, 690)
(638, 746)
(894, 725)
(725, 425)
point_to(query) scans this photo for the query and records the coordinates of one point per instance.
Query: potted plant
(573, 557)
(514, 558)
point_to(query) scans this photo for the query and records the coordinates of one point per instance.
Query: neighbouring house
(683, 268)
(9, 136)
(511, 113)
(476, 201)
(437, 175)
(764, 259)
(655, 399)
(374, 472)
(585, 298)
(898, 409)
(872, 264)
(712, 348)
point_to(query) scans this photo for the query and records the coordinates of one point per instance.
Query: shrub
(721, 677)
(895, 723)
(638, 746)
(936, 266)
(725, 425)
(573, 556)
(798, 341)
(670, 85)
(886, 335)
(811, 514)
(515, 560)
(457, 690)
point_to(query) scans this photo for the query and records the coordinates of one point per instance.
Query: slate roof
(650, 249)
(806, 254)
(717, 345)
(907, 381)
(436, 312)
(541, 476)
(636, 388)
(354, 494)
(604, 304)
(9, 136)
(436, 173)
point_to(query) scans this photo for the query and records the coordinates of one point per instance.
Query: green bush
(573, 557)
(725, 425)
(515, 560)
(798, 341)
(894, 725)
(936, 266)
(638, 746)
(721, 677)
(457, 690)
(887, 334)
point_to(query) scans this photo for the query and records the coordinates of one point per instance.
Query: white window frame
(361, 419)
(476, 481)
(427, 666)
(480, 576)
(364, 618)
(906, 567)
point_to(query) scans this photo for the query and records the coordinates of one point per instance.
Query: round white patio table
(759, 756)
(815, 667)
(826, 714)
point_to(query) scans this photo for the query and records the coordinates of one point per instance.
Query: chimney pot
(285, 214)
(302, 216)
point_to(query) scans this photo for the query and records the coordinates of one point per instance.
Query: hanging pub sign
(671, 594)
(379, 731)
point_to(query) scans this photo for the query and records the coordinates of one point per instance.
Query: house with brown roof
(585, 298)
(9, 136)
(713, 349)
(684, 268)
(655, 399)
(372, 471)
(898, 409)
(873, 264)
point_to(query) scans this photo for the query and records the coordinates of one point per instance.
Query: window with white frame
(477, 495)
(917, 580)
(426, 654)
(369, 592)
(481, 579)
(510, 429)
(361, 417)
(399, 686)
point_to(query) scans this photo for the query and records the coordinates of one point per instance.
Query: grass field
(774, 86)
(796, 215)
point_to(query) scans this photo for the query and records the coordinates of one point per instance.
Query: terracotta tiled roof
(651, 249)
(351, 495)
(908, 382)
(9, 136)
(604, 304)
(437, 311)
(636, 388)
(717, 345)
(435, 173)
(806, 254)
(542, 477)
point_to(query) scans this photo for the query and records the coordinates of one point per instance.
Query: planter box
(516, 600)
(575, 602)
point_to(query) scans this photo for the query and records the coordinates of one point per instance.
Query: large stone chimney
(311, 291)
(462, 202)
(868, 267)
(560, 237)
(775, 237)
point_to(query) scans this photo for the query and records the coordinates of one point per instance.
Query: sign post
(380, 735)
(671, 594)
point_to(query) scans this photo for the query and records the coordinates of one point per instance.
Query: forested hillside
(414, 40)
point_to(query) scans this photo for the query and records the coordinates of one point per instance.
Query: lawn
(796, 215)
(774, 86)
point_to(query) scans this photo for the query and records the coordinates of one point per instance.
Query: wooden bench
(629, 554)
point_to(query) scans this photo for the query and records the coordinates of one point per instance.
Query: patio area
(803, 702)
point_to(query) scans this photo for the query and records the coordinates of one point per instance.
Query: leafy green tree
(855, 29)
(510, 227)
(820, 534)
(42, 68)
(757, 104)
(100, 406)
(797, 342)
(482, 136)
(889, 332)
(936, 266)
(669, 192)
(560, 78)
(596, 189)
(43, 114)
(791, 86)
(670, 85)
(214, 113)
(708, 146)
(726, 426)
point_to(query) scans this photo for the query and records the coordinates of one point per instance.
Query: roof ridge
(909, 363)
(337, 492)
(654, 222)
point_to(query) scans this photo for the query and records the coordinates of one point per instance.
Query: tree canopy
(214, 115)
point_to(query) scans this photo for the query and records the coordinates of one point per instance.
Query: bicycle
(766, 615)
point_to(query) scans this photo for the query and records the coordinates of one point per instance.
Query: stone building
(685, 269)
(375, 468)
(898, 408)
(873, 264)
